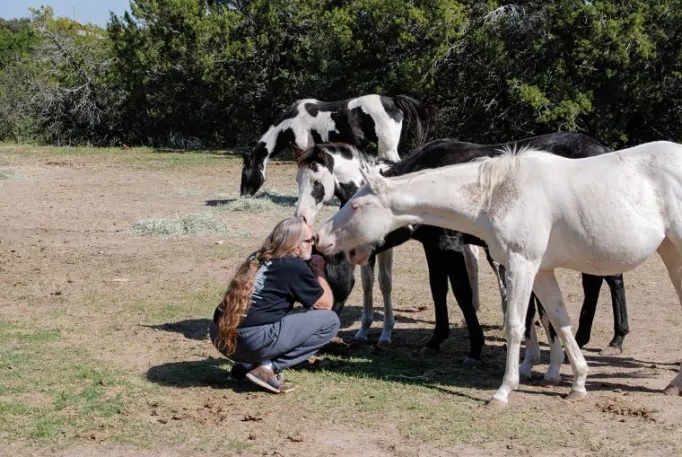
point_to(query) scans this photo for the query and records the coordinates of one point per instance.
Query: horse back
(445, 152)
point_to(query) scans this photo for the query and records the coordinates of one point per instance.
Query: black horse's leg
(556, 353)
(438, 280)
(620, 313)
(461, 288)
(501, 282)
(531, 355)
(591, 287)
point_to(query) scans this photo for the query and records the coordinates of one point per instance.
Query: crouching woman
(254, 325)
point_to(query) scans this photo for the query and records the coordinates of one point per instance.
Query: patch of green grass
(191, 225)
(49, 389)
(260, 203)
(7, 173)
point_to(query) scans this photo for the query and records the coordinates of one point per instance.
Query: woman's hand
(317, 264)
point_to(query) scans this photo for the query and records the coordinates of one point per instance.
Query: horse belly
(616, 248)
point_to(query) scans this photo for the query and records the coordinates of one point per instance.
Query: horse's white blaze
(601, 215)
(306, 178)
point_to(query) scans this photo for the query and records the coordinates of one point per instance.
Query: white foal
(537, 212)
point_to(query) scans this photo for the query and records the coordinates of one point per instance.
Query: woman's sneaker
(265, 378)
(284, 386)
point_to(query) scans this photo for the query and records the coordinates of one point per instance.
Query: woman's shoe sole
(256, 380)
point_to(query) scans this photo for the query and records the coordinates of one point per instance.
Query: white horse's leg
(470, 252)
(672, 258)
(520, 275)
(385, 263)
(367, 277)
(556, 352)
(547, 290)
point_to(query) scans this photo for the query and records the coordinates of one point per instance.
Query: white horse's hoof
(471, 363)
(494, 403)
(576, 395)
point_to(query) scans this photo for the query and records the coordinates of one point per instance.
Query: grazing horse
(317, 185)
(357, 121)
(537, 212)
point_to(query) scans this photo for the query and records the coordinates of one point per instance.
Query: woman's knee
(331, 320)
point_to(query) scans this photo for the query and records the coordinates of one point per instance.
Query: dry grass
(202, 224)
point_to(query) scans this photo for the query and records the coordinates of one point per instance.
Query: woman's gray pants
(285, 343)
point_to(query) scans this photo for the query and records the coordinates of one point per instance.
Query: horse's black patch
(284, 139)
(317, 138)
(260, 151)
(344, 191)
(363, 128)
(319, 155)
(289, 112)
(343, 150)
(344, 133)
(318, 191)
(393, 111)
(312, 109)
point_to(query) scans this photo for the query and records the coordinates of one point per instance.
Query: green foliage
(190, 73)
(598, 67)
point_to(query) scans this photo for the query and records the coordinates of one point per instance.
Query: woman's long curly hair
(281, 242)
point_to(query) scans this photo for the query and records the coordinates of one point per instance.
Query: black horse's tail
(417, 114)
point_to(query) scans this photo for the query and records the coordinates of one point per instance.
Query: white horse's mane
(496, 170)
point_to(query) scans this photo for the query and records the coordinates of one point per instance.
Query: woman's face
(305, 246)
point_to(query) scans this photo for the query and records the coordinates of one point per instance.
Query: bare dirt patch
(104, 350)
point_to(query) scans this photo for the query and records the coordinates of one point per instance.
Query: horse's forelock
(312, 156)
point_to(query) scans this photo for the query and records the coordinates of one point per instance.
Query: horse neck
(347, 175)
(450, 197)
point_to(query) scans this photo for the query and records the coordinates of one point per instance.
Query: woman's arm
(327, 299)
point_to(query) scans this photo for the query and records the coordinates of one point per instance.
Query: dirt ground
(89, 306)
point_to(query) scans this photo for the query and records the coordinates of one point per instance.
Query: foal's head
(365, 218)
(315, 180)
(253, 170)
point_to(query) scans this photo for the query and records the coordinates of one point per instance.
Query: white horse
(537, 212)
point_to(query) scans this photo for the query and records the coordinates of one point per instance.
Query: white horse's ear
(375, 180)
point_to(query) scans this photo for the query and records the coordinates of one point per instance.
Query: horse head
(365, 218)
(315, 181)
(253, 170)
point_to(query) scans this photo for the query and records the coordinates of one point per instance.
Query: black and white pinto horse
(335, 170)
(317, 168)
(536, 212)
(356, 121)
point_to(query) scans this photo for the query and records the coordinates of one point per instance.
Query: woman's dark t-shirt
(277, 285)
